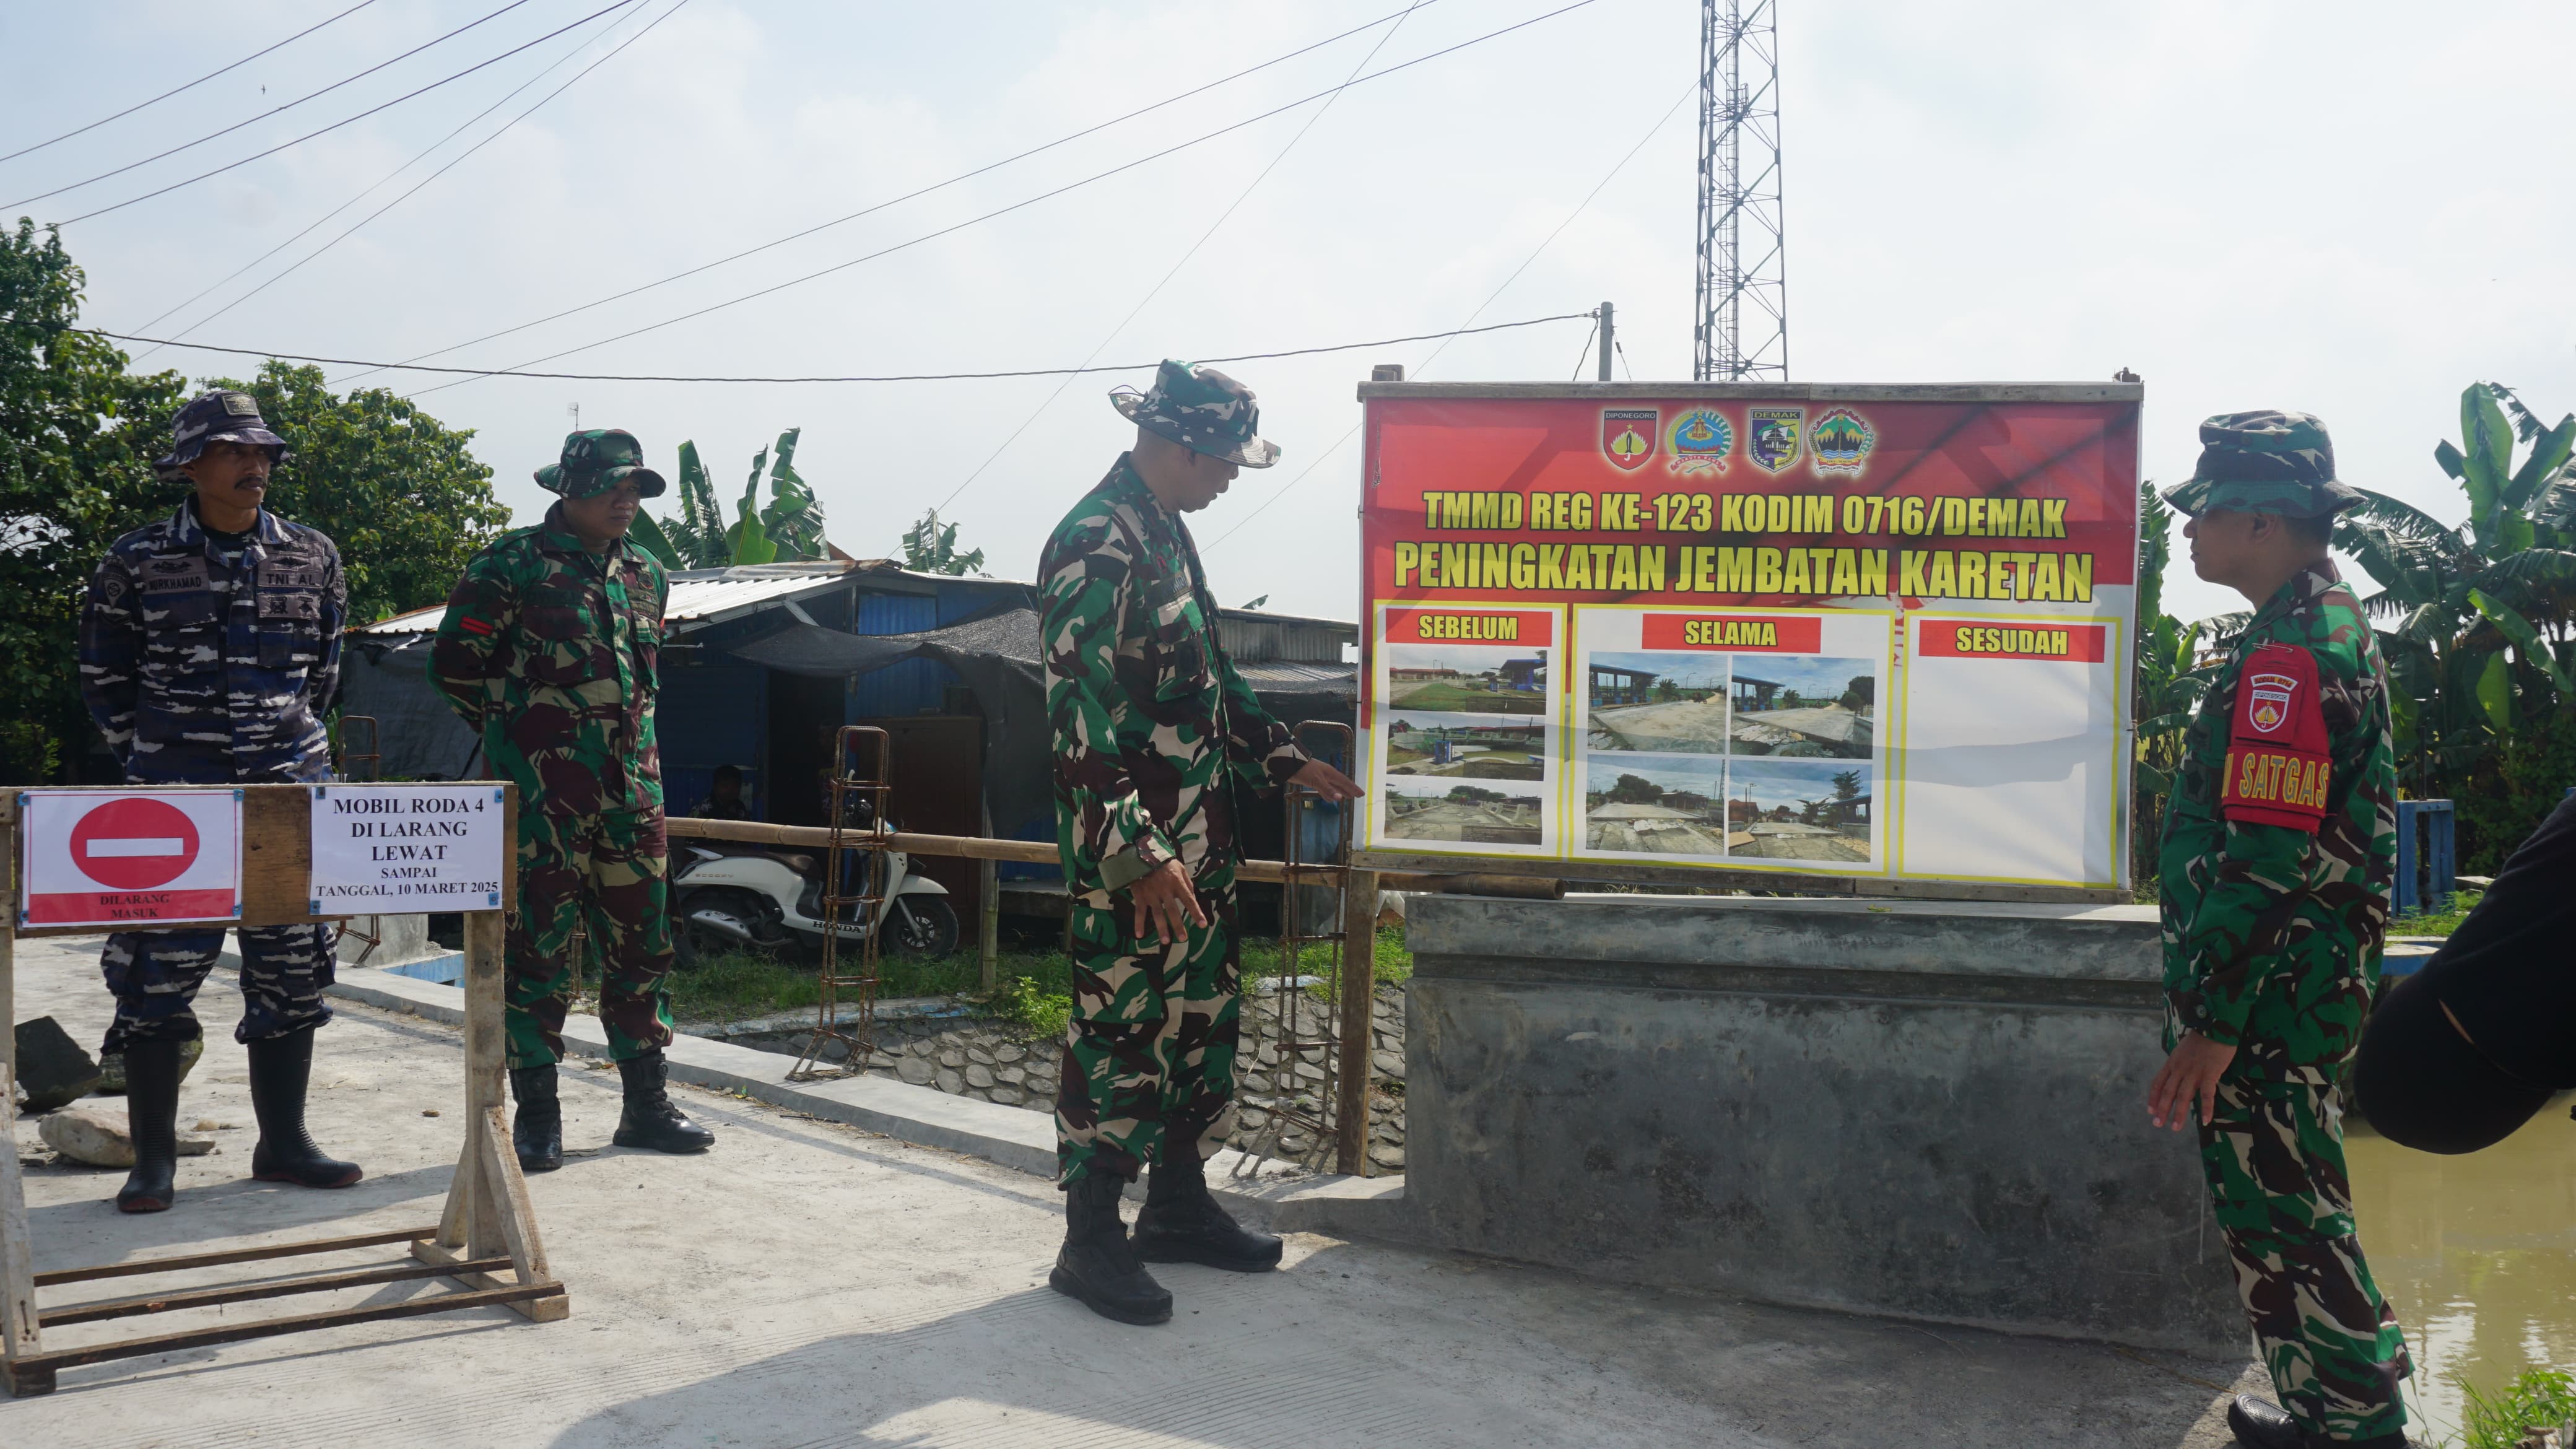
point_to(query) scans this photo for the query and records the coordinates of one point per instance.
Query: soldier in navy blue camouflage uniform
(209, 650)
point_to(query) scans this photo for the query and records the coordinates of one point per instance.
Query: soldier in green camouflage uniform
(1153, 728)
(550, 649)
(2278, 855)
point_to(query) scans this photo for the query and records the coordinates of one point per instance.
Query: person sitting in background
(726, 802)
(2462, 1053)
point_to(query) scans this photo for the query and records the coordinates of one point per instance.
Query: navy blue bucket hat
(217, 416)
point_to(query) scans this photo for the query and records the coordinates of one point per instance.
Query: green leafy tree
(395, 488)
(1858, 695)
(789, 528)
(1635, 790)
(2170, 681)
(930, 547)
(77, 437)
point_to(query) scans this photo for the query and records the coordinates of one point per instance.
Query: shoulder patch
(2278, 766)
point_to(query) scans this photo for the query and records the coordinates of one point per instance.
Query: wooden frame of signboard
(486, 1239)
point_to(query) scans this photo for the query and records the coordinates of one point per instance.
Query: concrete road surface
(811, 1285)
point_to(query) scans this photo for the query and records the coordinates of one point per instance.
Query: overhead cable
(884, 377)
(1446, 337)
(192, 85)
(415, 187)
(907, 196)
(1175, 270)
(362, 115)
(1030, 201)
(275, 110)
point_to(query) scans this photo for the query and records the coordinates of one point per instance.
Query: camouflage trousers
(2273, 1156)
(1149, 1052)
(604, 874)
(154, 976)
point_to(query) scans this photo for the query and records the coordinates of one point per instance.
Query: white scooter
(735, 897)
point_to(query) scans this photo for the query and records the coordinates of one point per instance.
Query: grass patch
(2437, 923)
(2540, 1399)
(1035, 990)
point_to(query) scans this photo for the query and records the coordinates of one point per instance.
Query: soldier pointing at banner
(550, 649)
(2278, 855)
(209, 651)
(1152, 729)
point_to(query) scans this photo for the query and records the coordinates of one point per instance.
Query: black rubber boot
(536, 1131)
(1097, 1264)
(1181, 1223)
(281, 1067)
(2262, 1424)
(649, 1119)
(152, 1120)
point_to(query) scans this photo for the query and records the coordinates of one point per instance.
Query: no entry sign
(130, 857)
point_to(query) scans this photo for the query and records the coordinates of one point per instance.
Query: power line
(201, 80)
(459, 159)
(891, 377)
(362, 115)
(1175, 270)
(1027, 202)
(1463, 331)
(912, 195)
(264, 115)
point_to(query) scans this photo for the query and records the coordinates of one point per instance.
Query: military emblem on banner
(1774, 438)
(2271, 707)
(1629, 436)
(1841, 442)
(1699, 441)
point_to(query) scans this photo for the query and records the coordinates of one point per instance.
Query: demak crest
(2271, 707)
(1629, 437)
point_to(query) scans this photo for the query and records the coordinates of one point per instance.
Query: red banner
(1985, 639)
(1736, 633)
(1470, 626)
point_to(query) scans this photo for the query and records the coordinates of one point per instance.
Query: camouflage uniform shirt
(2280, 843)
(210, 661)
(552, 652)
(1147, 712)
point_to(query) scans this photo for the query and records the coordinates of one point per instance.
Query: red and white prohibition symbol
(128, 858)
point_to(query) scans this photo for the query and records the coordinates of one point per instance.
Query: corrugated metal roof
(1291, 678)
(698, 596)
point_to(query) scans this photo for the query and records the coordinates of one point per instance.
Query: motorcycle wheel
(921, 925)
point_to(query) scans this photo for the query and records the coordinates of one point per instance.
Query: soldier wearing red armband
(2279, 851)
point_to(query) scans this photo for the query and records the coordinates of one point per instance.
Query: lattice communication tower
(1743, 318)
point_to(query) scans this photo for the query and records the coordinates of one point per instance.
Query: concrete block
(1917, 1109)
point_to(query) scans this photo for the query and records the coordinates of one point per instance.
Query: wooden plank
(1774, 882)
(552, 1308)
(139, 1266)
(988, 881)
(486, 1057)
(277, 854)
(59, 1359)
(248, 1292)
(1359, 1021)
(509, 1191)
(19, 1329)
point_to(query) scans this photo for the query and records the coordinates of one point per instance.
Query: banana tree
(2170, 680)
(789, 527)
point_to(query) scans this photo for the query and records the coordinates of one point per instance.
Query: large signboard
(1858, 632)
(130, 858)
(408, 849)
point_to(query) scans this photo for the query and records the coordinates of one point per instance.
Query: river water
(2477, 1253)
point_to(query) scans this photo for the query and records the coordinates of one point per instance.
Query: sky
(2344, 208)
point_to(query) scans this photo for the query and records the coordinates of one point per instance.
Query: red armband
(2277, 764)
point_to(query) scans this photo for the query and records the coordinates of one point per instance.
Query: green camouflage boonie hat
(596, 460)
(1200, 408)
(2264, 462)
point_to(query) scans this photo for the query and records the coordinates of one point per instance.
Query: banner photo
(1870, 632)
(408, 849)
(130, 858)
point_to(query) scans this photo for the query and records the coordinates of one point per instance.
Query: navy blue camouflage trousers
(154, 976)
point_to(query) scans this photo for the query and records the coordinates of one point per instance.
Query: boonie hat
(596, 460)
(2264, 461)
(1201, 409)
(218, 415)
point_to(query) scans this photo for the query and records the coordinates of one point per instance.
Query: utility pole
(1742, 328)
(1609, 339)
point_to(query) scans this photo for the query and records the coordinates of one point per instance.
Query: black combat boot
(2262, 1424)
(649, 1119)
(1181, 1223)
(152, 1120)
(281, 1067)
(536, 1132)
(1097, 1264)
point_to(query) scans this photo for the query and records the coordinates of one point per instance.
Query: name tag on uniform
(289, 573)
(174, 575)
